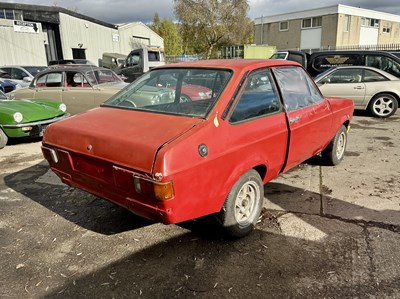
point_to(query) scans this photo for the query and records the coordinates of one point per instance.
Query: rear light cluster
(157, 190)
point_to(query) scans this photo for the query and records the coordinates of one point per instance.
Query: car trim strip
(36, 123)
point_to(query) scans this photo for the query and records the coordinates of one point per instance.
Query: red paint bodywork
(102, 150)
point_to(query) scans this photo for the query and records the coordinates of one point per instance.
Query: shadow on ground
(265, 264)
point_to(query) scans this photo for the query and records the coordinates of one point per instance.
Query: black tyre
(333, 154)
(3, 139)
(242, 206)
(383, 105)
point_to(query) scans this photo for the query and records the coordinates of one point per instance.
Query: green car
(27, 118)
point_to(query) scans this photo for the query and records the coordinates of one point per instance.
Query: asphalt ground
(325, 232)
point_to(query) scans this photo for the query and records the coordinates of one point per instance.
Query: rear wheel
(3, 139)
(383, 105)
(334, 152)
(243, 205)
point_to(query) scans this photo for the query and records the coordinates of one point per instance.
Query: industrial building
(36, 34)
(328, 27)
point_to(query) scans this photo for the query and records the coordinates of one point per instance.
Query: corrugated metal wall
(94, 38)
(133, 34)
(21, 48)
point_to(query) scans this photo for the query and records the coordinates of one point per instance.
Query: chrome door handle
(294, 120)
(358, 87)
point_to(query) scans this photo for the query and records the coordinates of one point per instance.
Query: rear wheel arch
(377, 96)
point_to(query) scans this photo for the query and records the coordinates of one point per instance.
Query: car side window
(297, 92)
(258, 98)
(18, 74)
(345, 76)
(50, 80)
(371, 76)
(386, 64)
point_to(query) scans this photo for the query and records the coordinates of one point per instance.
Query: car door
(257, 123)
(49, 86)
(77, 93)
(308, 113)
(345, 83)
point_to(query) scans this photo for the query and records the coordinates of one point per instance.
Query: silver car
(22, 75)
(370, 88)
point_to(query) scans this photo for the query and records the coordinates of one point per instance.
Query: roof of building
(53, 9)
(327, 10)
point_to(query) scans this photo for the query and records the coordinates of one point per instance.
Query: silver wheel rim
(341, 145)
(246, 201)
(383, 106)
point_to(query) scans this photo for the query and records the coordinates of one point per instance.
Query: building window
(284, 26)
(317, 22)
(346, 23)
(306, 23)
(386, 30)
(18, 15)
(9, 14)
(311, 22)
(367, 22)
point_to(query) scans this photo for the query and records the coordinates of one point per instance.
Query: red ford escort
(170, 159)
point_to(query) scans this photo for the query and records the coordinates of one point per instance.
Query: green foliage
(207, 24)
(169, 32)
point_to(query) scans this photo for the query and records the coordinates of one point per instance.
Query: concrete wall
(21, 47)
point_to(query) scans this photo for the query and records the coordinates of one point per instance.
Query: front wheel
(383, 105)
(3, 139)
(242, 206)
(333, 154)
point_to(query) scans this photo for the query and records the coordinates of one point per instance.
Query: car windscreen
(279, 55)
(96, 77)
(180, 91)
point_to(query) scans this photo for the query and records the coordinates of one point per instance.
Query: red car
(172, 161)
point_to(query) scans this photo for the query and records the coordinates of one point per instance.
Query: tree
(168, 31)
(209, 23)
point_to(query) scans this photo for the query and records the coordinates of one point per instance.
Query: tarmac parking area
(325, 232)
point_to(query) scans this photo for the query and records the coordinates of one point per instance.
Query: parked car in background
(80, 88)
(176, 160)
(319, 62)
(7, 86)
(22, 75)
(27, 118)
(370, 88)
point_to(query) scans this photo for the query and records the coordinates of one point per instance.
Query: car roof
(82, 69)
(234, 64)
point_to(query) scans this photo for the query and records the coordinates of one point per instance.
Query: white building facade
(328, 27)
(35, 35)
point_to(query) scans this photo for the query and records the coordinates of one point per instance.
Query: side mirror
(27, 79)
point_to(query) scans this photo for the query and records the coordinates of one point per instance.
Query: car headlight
(155, 100)
(62, 107)
(18, 117)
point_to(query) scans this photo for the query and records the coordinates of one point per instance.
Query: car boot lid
(124, 137)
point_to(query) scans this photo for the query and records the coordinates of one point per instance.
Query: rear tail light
(157, 190)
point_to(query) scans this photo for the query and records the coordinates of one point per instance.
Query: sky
(123, 11)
